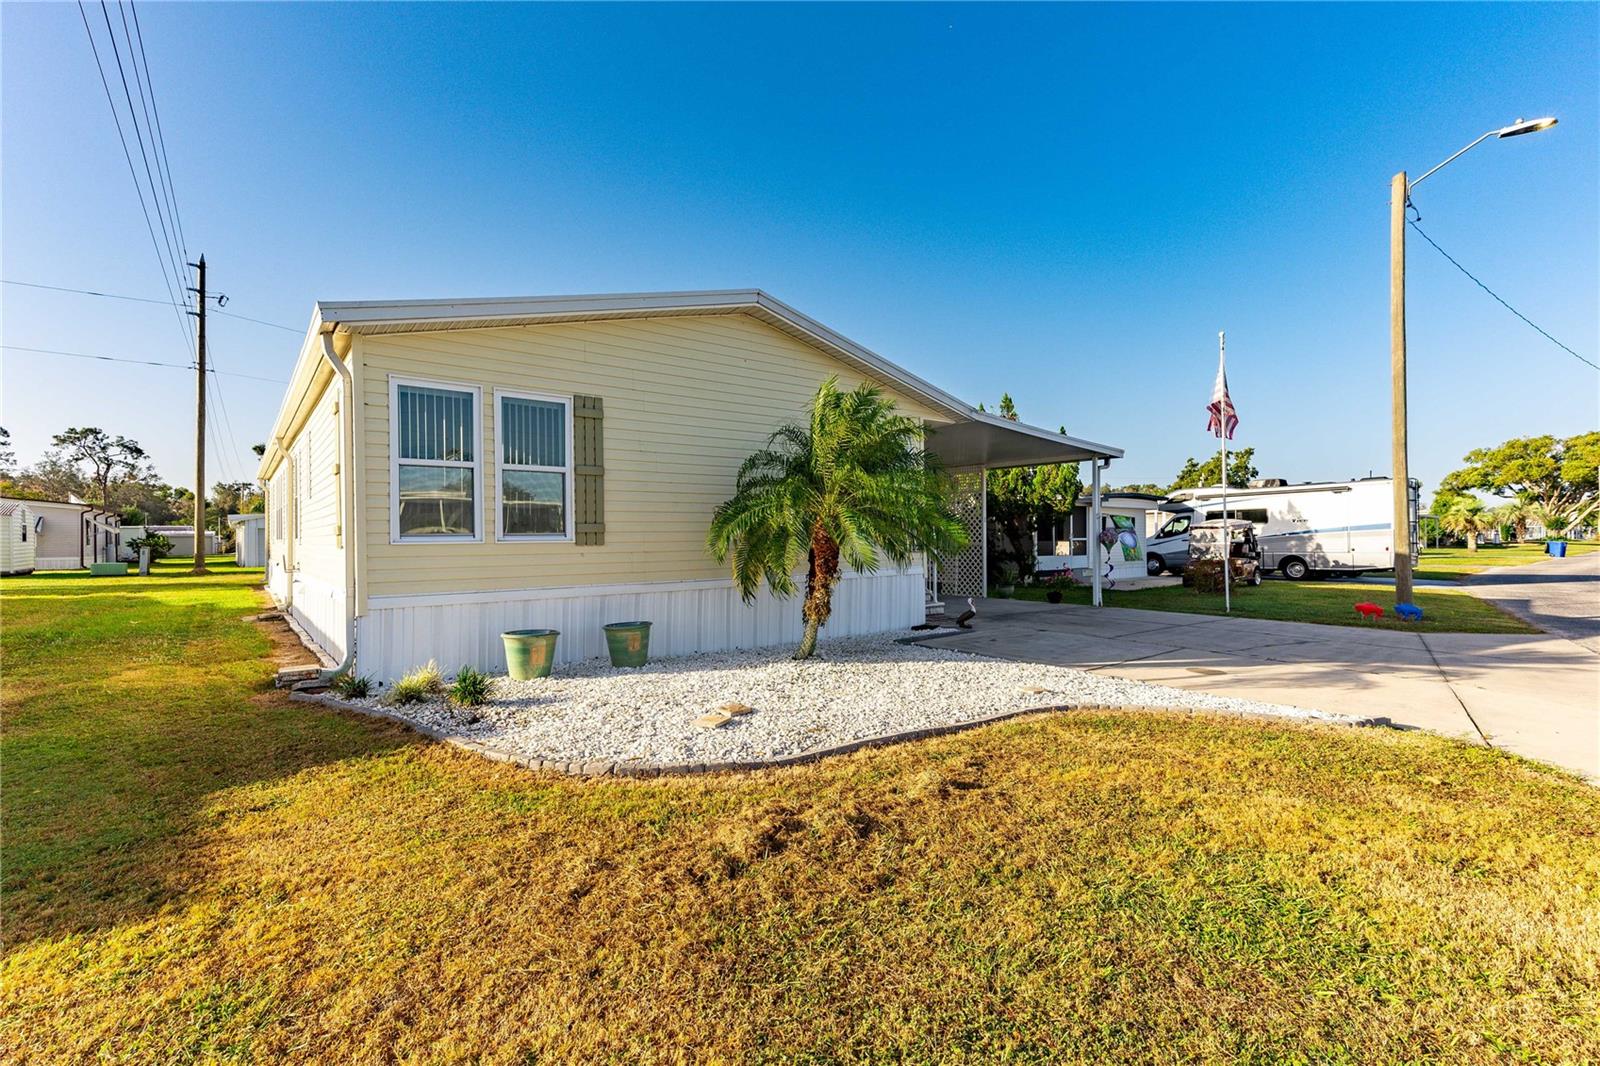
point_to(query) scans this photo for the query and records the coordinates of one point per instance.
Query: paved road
(1535, 695)
(1557, 595)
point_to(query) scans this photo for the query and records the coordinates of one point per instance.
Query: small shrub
(160, 545)
(420, 684)
(352, 686)
(470, 688)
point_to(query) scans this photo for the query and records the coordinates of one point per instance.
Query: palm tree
(850, 486)
(1516, 514)
(1467, 518)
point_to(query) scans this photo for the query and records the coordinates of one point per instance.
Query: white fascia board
(299, 381)
(1103, 450)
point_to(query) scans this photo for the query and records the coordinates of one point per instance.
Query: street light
(1399, 197)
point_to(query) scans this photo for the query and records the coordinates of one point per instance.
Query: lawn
(1444, 610)
(1453, 564)
(197, 870)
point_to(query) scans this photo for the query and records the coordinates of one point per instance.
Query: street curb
(612, 768)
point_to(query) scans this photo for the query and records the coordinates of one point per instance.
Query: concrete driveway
(1538, 696)
(1558, 595)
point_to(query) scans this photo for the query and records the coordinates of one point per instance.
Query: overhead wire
(146, 300)
(132, 173)
(1498, 298)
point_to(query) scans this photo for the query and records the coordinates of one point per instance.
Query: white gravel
(857, 688)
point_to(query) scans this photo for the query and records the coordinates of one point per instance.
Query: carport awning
(995, 443)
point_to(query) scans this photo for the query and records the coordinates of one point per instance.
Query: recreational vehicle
(1312, 529)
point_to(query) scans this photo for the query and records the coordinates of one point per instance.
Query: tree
(1148, 488)
(106, 456)
(1018, 496)
(1516, 515)
(1198, 475)
(234, 497)
(1467, 517)
(8, 458)
(1558, 473)
(850, 486)
(51, 478)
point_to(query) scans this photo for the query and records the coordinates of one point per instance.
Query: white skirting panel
(400, 633)
(277, 579)
(65, 562)
(319, 608)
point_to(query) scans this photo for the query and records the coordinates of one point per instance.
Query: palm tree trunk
(1472, 540)
(821, 576)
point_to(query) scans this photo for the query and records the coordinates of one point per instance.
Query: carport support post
(1094, 530)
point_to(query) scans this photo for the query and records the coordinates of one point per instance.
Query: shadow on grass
(124, 716)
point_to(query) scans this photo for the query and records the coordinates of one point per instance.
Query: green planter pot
(629, 643)
(530, 652)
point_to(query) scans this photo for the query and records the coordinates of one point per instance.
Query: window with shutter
(534, 432)
(588, 470)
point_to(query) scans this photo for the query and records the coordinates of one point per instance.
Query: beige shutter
(589, 470)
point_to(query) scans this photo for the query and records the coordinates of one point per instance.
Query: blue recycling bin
(1558, 548)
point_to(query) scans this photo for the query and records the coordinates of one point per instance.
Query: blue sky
(1063, 202)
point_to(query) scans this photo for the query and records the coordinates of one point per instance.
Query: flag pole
(1227, 530)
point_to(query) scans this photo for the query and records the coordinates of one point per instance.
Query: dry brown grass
(231, 878)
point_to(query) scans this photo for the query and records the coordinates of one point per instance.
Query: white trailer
(19, 538)
(1316, 528)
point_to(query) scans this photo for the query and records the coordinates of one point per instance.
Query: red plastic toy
(1369, 610)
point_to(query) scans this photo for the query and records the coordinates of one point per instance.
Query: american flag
(1224, 419)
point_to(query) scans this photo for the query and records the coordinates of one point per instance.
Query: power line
(160, 133)
(140, 362)
(1497, 296)
(116, 117)
(138, 134)
(145, 300)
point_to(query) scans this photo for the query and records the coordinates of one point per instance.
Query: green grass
(1331, 602)
(1453, 564)
(197, 870)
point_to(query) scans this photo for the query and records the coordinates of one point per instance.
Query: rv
(1315, 529)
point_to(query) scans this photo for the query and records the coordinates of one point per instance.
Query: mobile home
(71, 534)
(1311, 529)
(18, 538)
(441, 471)
(1064, 538)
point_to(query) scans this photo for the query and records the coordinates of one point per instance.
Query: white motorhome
(1312, 529)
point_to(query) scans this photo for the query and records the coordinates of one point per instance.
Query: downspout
(347, 504)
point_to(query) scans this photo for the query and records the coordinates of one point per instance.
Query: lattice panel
(962, 574)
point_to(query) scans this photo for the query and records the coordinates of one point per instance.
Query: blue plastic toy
(1409, 611)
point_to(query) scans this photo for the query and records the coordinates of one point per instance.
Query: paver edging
(612, 768)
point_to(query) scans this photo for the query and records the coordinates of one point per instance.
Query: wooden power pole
(1398, 194)
(200, 420)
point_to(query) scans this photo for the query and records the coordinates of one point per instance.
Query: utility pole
(200, 421)
(1399, 191)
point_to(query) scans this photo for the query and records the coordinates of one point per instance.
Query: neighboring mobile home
(69, 535)
(249, 539)
(442, 471)
(18, 538)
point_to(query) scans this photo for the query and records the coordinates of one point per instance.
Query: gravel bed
(856, 689)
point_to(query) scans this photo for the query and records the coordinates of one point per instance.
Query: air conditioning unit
(1267, 483)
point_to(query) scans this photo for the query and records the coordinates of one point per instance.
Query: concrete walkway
(1558, 595)
(1538, 695)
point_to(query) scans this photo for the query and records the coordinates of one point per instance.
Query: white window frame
(500, 468)
(478, 435)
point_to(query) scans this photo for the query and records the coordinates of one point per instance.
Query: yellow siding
(686, 400)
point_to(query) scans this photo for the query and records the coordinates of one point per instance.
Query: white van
(1317, 528)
